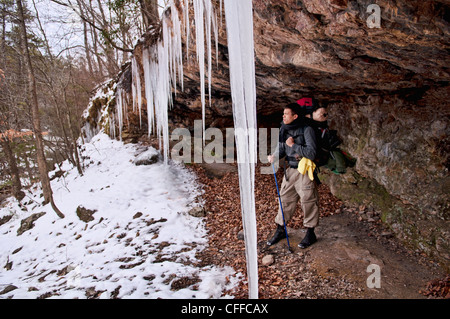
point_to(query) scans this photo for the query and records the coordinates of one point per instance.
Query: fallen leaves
(290, 275)
(439, 288)
(224, 222)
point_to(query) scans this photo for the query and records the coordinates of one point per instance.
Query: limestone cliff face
(386, 89)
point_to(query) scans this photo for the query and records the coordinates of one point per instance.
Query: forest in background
(53, 55)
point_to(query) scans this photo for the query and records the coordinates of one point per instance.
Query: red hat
(306, 101)
(308, 104)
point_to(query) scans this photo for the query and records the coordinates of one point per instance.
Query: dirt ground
(356, 256)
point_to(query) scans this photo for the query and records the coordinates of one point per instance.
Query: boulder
(147, 157)
(197, 212)
(85, 214)
(28, 223)
(268, 260)
(7, 289)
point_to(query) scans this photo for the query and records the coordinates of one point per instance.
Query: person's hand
(290, 141)
(270, 158)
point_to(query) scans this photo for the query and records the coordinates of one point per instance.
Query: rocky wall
(386, 88)
(402, 147)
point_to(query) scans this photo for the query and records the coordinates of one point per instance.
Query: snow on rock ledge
(148, 157)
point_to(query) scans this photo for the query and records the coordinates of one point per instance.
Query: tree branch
(102, 30)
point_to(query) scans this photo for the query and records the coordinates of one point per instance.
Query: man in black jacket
(297, 140)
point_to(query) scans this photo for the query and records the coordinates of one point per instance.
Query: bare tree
(103, 29)
(87, 48)
(33, 100)
(5, 108)
(149, 10)
(13, 169)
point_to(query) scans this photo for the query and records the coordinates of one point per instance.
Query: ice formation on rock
(163, 71)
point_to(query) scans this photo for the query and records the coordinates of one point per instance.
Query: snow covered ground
(141, 243)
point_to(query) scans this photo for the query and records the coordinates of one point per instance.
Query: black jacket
(305, 145)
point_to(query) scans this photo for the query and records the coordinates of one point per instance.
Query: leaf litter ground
(350, 239)
(143, 244)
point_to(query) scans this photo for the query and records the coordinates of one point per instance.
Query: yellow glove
(306, 165)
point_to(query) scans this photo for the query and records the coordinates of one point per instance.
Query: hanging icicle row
(163, 69)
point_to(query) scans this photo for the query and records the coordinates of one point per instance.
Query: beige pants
(299, 187)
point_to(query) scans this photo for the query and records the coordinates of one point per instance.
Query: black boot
(310, 238)
(279, 235)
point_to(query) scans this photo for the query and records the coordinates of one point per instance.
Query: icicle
(112, 126)
(187, 26)
(175, 50)
(163, 63)
(136, 88)
(133, 83)
(239, 21)
(163, 92)
(163, 69)
(119, 108)
(149, 72)
(216, 34)
(204, 20)
(221, 11)
(208, 12)
(200, 41)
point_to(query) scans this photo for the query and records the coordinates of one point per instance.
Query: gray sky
(62, 26)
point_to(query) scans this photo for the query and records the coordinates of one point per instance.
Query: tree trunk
(42, 164)
(149, 9)
(13, 170)
(95, 45)
(67, 143)
(86, 42)
(74, 144)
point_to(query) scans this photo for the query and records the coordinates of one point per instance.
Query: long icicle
(239, 21)
(136, 89)
(200, 41)
(187, 27)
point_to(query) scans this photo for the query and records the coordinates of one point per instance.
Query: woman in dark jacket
(328, 153)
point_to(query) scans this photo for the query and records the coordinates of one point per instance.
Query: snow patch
(140, 241)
